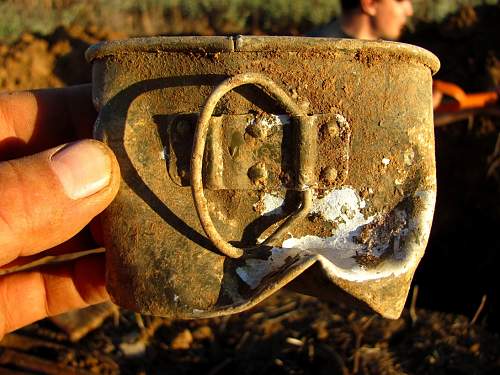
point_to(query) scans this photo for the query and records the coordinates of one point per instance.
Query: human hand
(49, 191)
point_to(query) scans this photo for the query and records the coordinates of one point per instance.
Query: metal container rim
(240, 43)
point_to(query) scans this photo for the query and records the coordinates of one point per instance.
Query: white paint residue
(164, 154)
(343, 208)
(339, 250)
(282, 119)
(341, 121)
(255, 270)
(272, 204)
(340, 206)
(336, 253)
(271, 121)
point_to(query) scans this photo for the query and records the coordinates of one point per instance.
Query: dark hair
(348, 5)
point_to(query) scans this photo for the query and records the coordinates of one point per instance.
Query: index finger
(29, 296)
(33, 121)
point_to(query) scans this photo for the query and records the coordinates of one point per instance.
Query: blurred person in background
(372, 20)
(369, 19)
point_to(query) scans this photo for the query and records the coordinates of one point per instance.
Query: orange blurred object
(462, 100)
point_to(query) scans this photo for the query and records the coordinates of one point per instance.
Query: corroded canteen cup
(254, 163)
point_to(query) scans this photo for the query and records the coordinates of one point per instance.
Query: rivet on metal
(329, 175)
(257, 130)
(332, 128)
(258, 173)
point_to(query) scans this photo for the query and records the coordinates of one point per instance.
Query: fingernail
(83, 168)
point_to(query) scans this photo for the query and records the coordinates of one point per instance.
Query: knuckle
(7, 128)
(14, 215)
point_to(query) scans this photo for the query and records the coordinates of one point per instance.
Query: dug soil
(453, 325)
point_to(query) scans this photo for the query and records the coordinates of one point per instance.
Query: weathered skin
(370, 104)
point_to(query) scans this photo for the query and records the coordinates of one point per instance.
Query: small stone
(133, 349)
(182, 341)
(386, 161)
(293, 341)
(431, 359)
(203, 333)
(321, 328)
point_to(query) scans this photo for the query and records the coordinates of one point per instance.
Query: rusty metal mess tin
(254, 163)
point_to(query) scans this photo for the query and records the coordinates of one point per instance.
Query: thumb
(47, 198)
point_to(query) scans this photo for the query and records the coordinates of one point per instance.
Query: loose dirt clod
(182, 341)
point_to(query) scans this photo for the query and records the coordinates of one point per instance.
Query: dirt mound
(287, 334)
(49, 61)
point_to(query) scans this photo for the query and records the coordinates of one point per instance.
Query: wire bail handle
(307, 157)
